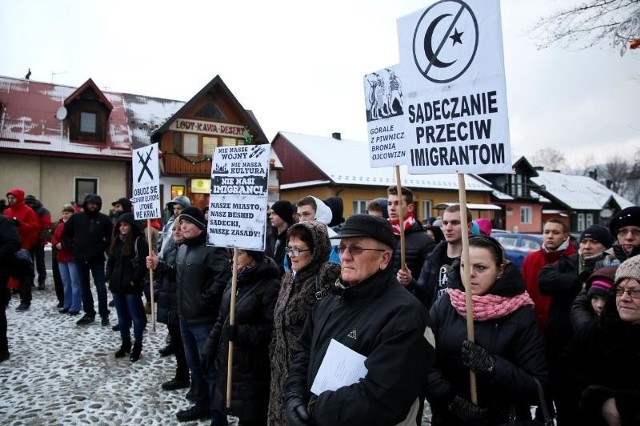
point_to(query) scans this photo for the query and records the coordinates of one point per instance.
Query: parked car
(518, 246)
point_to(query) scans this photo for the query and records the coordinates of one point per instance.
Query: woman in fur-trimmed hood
(310, 279)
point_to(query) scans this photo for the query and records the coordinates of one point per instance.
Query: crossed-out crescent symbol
(444, 17)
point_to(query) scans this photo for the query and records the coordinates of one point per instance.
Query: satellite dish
(61, 114)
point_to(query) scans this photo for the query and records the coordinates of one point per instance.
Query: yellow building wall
(52, 180)
(366, 193)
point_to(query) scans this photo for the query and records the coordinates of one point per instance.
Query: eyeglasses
(294, 251)
(623, 232)
(633, 293)
(356, 250)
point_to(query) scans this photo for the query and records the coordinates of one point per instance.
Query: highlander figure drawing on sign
(384, 95)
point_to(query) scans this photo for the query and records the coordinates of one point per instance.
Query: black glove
(466, 411)
(593, 397)
(477, 358)
(230, 332)
(16, 222)
(295, 411)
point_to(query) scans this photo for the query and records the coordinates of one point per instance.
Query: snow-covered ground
(63, 374)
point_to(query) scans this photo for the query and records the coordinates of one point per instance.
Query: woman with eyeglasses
(602, 363)
(308, 248)
(508, 354)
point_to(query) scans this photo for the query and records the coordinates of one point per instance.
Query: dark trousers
(96, 268)
(25, 288)
(57, 279)
(5, 296)
(182, 368)
(37, 254)
(130, 310)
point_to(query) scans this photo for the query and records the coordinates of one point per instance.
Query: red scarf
(408, 222)
(488, 306)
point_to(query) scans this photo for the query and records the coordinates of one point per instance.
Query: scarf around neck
(488, 306)
(408, 222)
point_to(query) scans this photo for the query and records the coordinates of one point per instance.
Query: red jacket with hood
(29, 225)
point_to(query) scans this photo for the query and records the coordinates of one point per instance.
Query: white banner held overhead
(385, 118)
(452, 69)
(146, 183)
(238, 203)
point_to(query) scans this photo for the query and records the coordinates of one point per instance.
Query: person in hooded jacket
(44, 234)
(28, 226)
(600, 365)
(309, 280)
(125, 273)
(9, 245)
(258, 284)
(167, 310)
(88, 235)
(508, 354)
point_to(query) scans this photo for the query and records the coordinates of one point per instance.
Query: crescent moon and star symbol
(449, 49)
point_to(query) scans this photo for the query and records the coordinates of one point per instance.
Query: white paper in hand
(341, 366)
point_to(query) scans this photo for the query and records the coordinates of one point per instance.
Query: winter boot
(135, 353)
(125, 348)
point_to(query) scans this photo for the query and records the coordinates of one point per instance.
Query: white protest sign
(385, 118)
(238, 203)
(146, 183)
(452, 69)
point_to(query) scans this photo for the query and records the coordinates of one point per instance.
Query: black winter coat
(202, 273)
(430, 284)
(418, 244)
(378, 319)
(88, 234)
(514, 341)
(602, 362)
(122, 276)
(257, 291)
(165, 292)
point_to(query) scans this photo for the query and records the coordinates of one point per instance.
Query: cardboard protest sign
(146, 183)
(452, 69)
(238, 203)
(385, 118)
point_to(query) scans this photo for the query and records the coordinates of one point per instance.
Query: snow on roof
(29, 119)
(578, 192)
(346, 162)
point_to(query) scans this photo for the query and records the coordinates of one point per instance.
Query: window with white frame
(426, 208)
(360, 206)
(526, 214)
(589, 220)
(189, 144)
(581, 226)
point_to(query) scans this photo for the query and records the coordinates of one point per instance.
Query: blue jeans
(71, 286)
(130, 309)
(97, 270)
(194, 337)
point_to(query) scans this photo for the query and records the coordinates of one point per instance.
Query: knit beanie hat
(626, 217)
(630, 268)
(599, 233)
(195, 216)
(600, 282)
(124, 202)
(284, 209)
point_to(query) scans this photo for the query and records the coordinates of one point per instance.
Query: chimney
(336, 136)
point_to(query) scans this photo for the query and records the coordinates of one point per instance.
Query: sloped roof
(346, 162)
(212, 86)
(578, 192)
(29, 120)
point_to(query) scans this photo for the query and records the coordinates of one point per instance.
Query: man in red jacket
(44, 235)
(28, 226)
(556, 243)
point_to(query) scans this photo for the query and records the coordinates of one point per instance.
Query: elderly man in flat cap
(371, 316)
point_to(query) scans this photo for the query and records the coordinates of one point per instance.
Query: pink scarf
(408, 221)
(489, 306)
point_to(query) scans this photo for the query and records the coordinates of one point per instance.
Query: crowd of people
(332, 325)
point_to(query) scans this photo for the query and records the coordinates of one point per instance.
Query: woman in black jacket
(257, 290)
(125, 273)
(508, 353)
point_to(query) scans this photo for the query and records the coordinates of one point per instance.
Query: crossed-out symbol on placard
(145, 163)
(449, 26)
(256, 151)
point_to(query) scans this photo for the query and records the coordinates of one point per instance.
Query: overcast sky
(299, 65)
